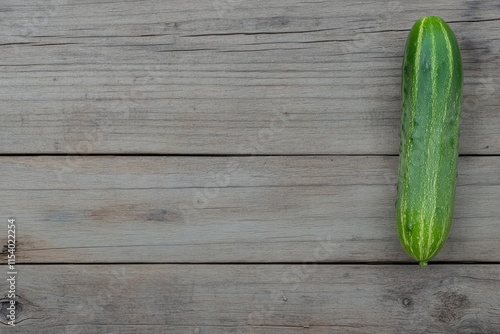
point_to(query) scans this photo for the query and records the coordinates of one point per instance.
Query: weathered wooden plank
(239, 209)
(228, 76)
(246, 299)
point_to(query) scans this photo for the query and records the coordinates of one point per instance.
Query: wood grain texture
(228, 76)
(208, 234)
(239, 209)
(257, 299)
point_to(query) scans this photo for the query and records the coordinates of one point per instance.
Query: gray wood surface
(239, 209)
(228, 76)
(261, 198)
(258, 299)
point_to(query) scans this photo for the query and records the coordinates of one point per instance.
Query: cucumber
(431, 104)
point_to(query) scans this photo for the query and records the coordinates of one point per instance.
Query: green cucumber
(431, 104)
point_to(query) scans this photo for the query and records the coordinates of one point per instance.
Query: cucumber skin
(431, 105)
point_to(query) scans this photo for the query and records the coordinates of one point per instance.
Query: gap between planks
(381, 263)
(202, 155)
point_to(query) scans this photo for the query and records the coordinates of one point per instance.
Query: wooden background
(230, 166)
